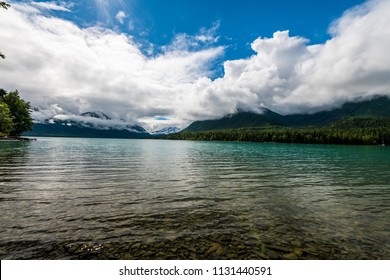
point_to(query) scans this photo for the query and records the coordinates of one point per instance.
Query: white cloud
(131, 25)
(41, 116)
(120, 17)
(209, 35)
(52, 6)
(205, 38)
(53, 61)
(92, 122)
(288, 75)
(354, 63)
(54, 113)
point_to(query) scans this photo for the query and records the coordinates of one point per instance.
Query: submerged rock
(290, 256)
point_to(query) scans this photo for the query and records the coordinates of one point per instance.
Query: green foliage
(360, 131)
(4, 5)
(18, 111)
(238, 120)
(362, 122)
(6, 123)
(376, 107)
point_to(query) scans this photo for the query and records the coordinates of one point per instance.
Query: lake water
(153, 199)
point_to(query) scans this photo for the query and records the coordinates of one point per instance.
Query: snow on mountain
(166, 130)
(95, 120)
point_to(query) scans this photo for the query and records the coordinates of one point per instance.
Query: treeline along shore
(11, 138)
(353, 131)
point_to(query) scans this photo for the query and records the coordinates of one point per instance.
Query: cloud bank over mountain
(65, 69)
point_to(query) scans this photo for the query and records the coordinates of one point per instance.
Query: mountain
(238, 120)
(89, 124)
(166, 130)
(361, 113)
(97, 115)
(378, 107)
(65, 130)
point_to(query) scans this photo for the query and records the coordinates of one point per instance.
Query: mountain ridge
(88, 124)
(378, 106)
(360, 113)
(166, 131)
(62, 130)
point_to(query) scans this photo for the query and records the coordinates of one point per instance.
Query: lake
(157, 199)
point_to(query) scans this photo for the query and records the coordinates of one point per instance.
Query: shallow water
(150, 199)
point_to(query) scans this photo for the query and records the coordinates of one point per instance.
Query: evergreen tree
(19, 112)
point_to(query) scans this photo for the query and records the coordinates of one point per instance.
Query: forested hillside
(363, 122)
(376, 107)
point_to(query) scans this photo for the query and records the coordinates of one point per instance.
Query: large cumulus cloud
(53, 61)
(289, 75)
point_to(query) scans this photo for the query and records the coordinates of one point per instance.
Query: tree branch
(4, 5)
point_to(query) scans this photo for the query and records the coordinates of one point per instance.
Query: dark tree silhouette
(5, 6)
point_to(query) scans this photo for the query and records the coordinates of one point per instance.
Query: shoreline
(12, 138)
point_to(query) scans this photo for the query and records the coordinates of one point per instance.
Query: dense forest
(364, 122)
(350, 130)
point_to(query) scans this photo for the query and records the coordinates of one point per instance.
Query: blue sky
(243, 21)
(239, 21)
(169, 63)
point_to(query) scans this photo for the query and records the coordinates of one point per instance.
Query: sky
(169, 63)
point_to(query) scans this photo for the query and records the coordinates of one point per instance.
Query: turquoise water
(154, 199)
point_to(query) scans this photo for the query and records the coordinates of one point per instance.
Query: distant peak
(166, 130)
(97, 115)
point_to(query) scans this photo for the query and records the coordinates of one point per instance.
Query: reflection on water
(144, 199)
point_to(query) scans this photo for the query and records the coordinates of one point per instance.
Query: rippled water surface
(151, 199)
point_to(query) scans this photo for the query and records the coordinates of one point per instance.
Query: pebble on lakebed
(211, 248)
